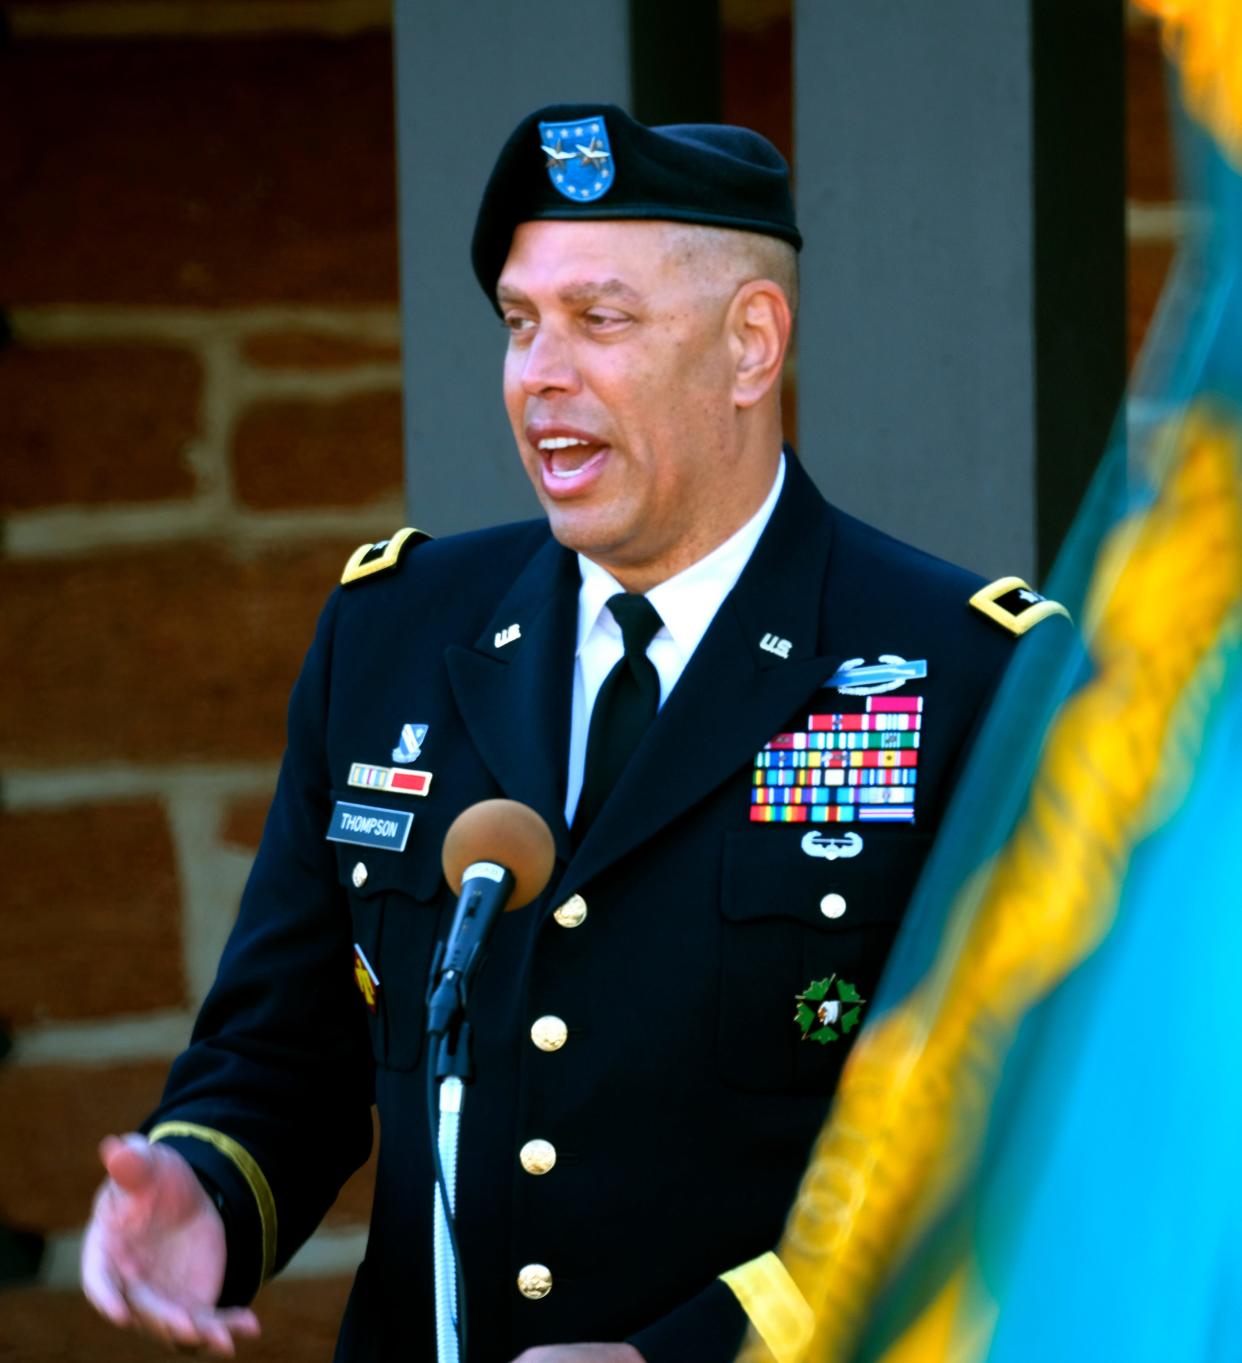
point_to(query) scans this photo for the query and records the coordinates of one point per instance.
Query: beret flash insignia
(578, 157)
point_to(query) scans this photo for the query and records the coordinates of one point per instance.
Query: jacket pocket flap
(821, 878)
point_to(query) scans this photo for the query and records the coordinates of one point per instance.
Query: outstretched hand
(581, 1353)
(153, 1256)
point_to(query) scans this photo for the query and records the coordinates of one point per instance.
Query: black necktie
(626, 705)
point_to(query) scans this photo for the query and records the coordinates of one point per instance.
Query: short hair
(737, 257)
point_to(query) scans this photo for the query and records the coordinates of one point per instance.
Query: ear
(759, 324)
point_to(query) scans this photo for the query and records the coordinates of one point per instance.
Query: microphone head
(505, 832)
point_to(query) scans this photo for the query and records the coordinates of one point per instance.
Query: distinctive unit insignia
(856, 678)
(844, 767)
(578, 157)
(365, 978)
(828, 1010)
(411, 742)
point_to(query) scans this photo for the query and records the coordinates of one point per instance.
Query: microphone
(498, 855)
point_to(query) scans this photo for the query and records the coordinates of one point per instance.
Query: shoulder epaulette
(379, 557)
(1015, 606)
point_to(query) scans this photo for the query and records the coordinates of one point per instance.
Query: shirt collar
(688, 601)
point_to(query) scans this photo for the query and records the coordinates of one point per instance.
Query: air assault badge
(825, 1006)
(578, 157)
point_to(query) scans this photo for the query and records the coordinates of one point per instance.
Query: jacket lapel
(737, 690)
(514, 690)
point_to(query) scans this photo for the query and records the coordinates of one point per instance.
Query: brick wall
(199, 418)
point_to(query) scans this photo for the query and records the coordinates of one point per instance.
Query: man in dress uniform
(739, 710)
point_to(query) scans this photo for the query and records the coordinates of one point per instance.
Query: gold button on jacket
(537, 1156)
(549, 1033)
(571, 912)
(534, 1281)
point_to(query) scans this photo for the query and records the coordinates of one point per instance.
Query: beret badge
(578, 157)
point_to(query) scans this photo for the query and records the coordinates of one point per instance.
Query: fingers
(190, 1327)
(101, 1284)
(129, 1160)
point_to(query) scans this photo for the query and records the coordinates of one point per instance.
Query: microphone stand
(449, 1068)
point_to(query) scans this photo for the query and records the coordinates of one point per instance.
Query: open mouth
(570, 460)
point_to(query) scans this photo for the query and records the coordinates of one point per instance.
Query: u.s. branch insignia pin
(578, 157)
(825, 1006)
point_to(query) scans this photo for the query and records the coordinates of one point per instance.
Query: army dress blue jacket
(639, 1017)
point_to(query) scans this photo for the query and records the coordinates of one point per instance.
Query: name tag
(370, 826)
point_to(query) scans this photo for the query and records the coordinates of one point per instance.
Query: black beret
(594, 161)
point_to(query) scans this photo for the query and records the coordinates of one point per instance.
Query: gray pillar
(956, 166)
(467, 70)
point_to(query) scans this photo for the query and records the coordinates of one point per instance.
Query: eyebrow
(582, 291)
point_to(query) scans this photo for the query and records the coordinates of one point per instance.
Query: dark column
(960, 188)
(675, 47)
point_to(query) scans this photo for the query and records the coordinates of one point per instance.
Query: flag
(1031, 1152)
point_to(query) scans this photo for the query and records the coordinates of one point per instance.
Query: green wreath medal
(828, 1009)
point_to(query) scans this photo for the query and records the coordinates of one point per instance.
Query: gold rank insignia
(1015, 606)
(379, 557)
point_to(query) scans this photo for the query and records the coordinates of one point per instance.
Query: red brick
(96, 423)
(243, 822)
(156, 655)
(299, 1318)
(54, 1118)
(1148, 266)
(340, 453)
(316, 350)
(201, 173)
(92, 912)
(1149, 149)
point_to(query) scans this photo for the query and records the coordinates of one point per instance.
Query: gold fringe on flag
(1203, 38)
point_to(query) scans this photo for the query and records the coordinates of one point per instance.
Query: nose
(547, 364)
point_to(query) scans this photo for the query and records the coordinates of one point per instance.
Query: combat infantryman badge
(578, 157)
(855, 678)
(825, 1002)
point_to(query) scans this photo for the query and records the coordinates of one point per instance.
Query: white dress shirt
(687, 604)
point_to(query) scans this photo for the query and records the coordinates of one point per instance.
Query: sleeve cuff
(708, 1328)
(241, 1191)
(779, 1313)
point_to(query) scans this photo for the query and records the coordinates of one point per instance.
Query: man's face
(618, 384)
